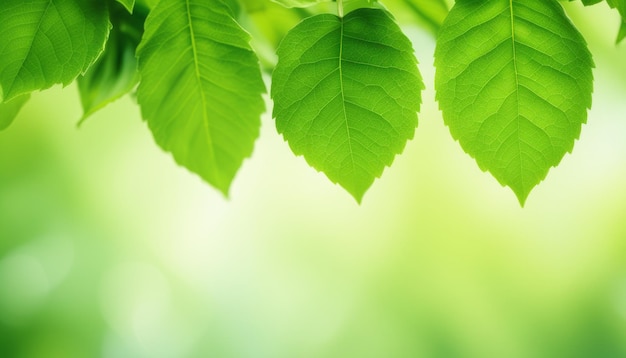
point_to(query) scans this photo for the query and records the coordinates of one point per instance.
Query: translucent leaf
(10, 109)
(514, 83)
(115, 73)
(45, 42)
(201, 87)
(346, 92)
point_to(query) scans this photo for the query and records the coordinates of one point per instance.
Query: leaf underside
(346, 92)
(514, 82)
(45, 42)
(201, 87)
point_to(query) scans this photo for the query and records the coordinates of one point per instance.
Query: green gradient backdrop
(108, 249)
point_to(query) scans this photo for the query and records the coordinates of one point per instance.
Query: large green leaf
(514, 83)
(115, 73)
(45, 42)
(346, 92)
(201, 87)
(10, 109)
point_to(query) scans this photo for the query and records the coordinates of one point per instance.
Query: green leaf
(45, 42)
(514, 83)
(115, 73)
(201, 87)
(128, 4)
(10, 109)
(346, 92)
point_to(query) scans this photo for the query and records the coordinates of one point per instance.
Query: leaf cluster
(513, 81)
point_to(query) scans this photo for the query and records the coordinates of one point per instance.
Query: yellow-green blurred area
(108, 249)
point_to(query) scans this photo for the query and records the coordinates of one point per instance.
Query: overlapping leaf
(45, 42)
(201, 87)
(10, 109)
(514, 83)
(346, 92)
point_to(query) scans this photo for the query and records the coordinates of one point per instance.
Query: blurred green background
(108, 249)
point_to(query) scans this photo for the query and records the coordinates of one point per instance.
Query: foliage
(514, 77)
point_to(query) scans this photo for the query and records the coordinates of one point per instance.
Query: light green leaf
(45, 42)
(201, 87)
(115, 73)
(10, 109)
(346, 92)
(128, 4)
(514, 83)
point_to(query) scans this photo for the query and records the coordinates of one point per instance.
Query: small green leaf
(622, 31)
(115, 73)
(514, 83)
(10, 109)
(346, 92)
(620, 5)
(45, 42)
(128, 4)
(201, 87)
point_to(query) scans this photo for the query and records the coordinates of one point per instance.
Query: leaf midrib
(205, 119)
(343, 98)
(517, 99)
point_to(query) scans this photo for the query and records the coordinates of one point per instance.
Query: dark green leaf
(115, 73)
